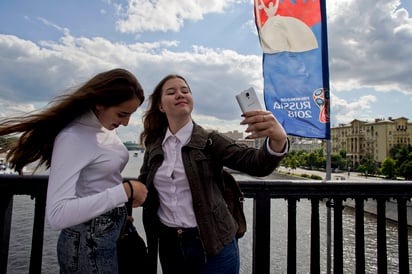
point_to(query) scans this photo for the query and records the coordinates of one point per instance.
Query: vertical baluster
(403, 237)
(329, 205)
(38, 234)
(314, 238)
(381, 223)
(6, 207)
(261, 233)
(338, 237)
(360, 236)
(291, 236)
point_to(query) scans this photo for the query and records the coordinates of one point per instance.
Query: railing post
(403, 237)
(360, 236)
(329, 204)
(261, 233)
(381, 229)
(38, 234)
(6, 207)
(338, 237)
(314, 238)
(291, 236)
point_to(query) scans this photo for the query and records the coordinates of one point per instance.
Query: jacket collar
(198, 140)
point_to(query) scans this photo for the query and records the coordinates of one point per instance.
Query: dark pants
(181, 252)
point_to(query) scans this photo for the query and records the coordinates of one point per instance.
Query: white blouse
(85, 173)
(176, 207)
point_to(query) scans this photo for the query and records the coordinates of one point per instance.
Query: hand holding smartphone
(248, 100)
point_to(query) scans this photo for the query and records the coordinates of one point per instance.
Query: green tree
(405, 168)
(389, 168)
(368, 163)
(400, 152)
(338, 160)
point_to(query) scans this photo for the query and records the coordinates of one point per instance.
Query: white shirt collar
(183, 135)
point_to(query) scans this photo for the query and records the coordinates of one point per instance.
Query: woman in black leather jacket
(185, 215)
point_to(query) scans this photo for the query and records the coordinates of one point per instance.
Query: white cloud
(344, 111)
(165, 15)
(12, 109)
(368, 43)
(369, 48)
(40, 71)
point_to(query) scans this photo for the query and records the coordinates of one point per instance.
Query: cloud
(369, 48)
(369, 42)
(165, 15)
(51, 24)
(345, 111)
(12, 109)
(38, 72)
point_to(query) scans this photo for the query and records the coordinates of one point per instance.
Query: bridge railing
(331, 193)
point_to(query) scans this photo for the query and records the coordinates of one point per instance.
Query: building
(235, 135)
(305, 144)
(375, 138)
(238, 137)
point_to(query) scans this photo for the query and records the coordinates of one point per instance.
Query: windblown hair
(154, 121)
(39, 129)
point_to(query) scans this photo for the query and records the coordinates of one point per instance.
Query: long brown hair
(154, 121)
(39, 129)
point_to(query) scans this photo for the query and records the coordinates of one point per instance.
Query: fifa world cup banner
(295, 68)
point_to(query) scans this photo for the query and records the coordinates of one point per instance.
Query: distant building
(375, 138)
(238, 137)
(235, 135)
(305, 144)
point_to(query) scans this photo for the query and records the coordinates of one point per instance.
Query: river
(22, 222)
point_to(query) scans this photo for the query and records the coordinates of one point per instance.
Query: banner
(292, 35)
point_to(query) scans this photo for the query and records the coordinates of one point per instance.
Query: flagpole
(257, 14)
(325, 74)
(329, 204)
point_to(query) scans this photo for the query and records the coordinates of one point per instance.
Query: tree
(338, 160)
(368, 163)
(400, 152)
(405, 168)
(389, 168)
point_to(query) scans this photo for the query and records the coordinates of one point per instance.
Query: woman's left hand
(262, 123)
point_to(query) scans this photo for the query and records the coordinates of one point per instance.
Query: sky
(47, 47)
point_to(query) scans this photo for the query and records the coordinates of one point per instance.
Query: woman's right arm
(137, 191)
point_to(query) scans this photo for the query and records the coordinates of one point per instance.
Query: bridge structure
(331, 194)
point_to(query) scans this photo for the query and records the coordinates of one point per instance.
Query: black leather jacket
(203, 158)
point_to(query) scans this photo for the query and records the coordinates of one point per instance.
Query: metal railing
(333, 193)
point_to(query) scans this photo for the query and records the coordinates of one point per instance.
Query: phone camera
(247, 94)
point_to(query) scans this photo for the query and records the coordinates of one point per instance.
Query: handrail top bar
(256, 181)
(37, 185)
(322, 183)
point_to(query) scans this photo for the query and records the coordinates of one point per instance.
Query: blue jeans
(183, 253)
(90, 247)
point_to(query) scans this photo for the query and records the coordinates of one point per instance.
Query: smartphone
(248, 100)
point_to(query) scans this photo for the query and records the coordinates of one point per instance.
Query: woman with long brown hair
(75, 138)
(185, 215)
